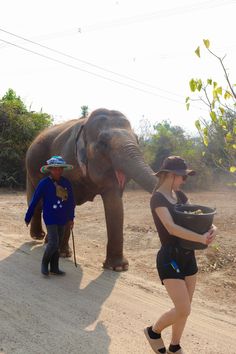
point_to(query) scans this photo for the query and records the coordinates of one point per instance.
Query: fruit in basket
(194, 212)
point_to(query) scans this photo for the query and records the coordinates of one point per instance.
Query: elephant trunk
(129, 161)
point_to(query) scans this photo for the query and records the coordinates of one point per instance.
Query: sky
(134, 56)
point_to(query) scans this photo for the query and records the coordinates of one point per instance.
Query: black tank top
(159, 200)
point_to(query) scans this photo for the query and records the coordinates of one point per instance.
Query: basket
(199, 223)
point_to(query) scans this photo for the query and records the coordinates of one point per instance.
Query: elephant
(105, 153)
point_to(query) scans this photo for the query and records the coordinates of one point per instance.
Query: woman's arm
(179, 231)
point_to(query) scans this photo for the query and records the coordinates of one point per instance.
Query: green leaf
(222, 123)
(205, 131)
(198, 124)
(187, 106)
(227, 95)
(205, 140)
(215, 84)
(232, 169)
(206, 42)
(222, 110)
(199, 85)
(197, 51)
(213, 116)
(228, 137)
(205, 136)
(219, 90)
(193, 85)
(209, 81)
(187, 99)
(215, 95)
(234, 146)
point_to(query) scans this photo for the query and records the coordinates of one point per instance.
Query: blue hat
(55, 161)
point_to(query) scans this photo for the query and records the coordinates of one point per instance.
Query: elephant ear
(80, 151)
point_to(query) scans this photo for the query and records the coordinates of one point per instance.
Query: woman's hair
(161, 178)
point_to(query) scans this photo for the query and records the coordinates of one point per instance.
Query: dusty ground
(96, 311)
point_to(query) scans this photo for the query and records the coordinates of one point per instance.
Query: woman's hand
(210, 235)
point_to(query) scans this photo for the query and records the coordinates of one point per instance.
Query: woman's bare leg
(179, 294)
(191, 284)
(179, 325)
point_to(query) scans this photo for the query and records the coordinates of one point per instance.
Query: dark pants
(55, 234)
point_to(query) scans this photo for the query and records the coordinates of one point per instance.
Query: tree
(18, 128)
(84, 111)
(165, 140)
(169, 140)
(218, 130)
(13, 102)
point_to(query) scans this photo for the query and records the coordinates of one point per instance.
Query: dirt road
(90, 310)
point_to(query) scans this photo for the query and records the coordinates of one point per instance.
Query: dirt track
(96, 311)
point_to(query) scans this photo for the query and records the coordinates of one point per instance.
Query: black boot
(54, 265)
(44, 265)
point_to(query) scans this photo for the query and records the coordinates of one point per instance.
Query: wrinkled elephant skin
(105, 154)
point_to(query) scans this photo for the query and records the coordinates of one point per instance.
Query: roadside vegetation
(18, 127)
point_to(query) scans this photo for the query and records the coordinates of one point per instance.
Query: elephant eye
(102, 145)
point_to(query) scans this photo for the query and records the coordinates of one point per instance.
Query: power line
(97, 75)
(89, 72)
(90, 64)
(157, 14)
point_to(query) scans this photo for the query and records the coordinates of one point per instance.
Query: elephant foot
(37, 235)
(66, 253)
(119, 264)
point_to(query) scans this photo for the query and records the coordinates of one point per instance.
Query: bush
(18, 128)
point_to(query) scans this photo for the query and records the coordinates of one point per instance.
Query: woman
(58, 210)
(176, 266)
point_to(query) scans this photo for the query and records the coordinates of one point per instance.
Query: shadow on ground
(55, 315)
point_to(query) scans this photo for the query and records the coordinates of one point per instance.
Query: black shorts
(175, 263)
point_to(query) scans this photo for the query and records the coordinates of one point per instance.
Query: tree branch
(226, 74)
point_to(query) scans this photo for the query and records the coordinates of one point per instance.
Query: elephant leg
(36, 230)
(114, 214)
(65, 250)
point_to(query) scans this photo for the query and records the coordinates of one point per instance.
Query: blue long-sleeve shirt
(55, 210)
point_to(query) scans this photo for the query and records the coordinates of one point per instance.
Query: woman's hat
(175, 165)
(55, 161)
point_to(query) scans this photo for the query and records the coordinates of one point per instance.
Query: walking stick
(73, 242)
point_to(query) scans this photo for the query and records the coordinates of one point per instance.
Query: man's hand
(71, 224)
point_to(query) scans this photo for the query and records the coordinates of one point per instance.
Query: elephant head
(113, 155)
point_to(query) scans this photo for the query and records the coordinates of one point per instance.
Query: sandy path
(90, 310)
